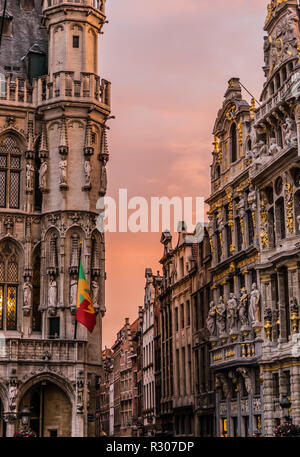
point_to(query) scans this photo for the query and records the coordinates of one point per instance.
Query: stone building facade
(204, 404)
(179, 265)
(275, 175)
(53, 155)
(253, 230)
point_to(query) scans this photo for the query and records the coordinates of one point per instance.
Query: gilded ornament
(289, 207)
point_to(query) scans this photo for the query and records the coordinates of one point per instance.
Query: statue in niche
(243, 307)
(252, 198)
(87, 172)
(27, 296)
(241, 207)
(63, 171)
(267, 46)
(254, 304)
(273, 147)
(232, 312)
(43, 175)
(95, 293)
(211, 319)
(221, 317)
(29, 176)
(222, 383)
(52, 292)
(103, 176)
(290, 135)
(73, 293)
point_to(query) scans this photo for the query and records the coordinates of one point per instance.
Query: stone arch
(14, 132)
(57, 397)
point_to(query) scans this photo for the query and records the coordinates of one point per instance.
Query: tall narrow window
(10, 170)
(8, 287)
(75, 41)
(233, 143)
(36, 314)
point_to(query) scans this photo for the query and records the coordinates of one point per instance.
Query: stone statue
(267, 46)
(247, 378)
(87, 172)
(12, 397)
(221, 317)
(273, 147)
(211, 319)
(52, 292)
(95, 293)
(232, 312)
(243, 307)
(252, 198)
(63, 171)
(43, 176)
(103, 177)
(27, 297)
(253, 311)
(73, 293)
(222, 382)
(29, 176)
(290, 134)
(241, 207)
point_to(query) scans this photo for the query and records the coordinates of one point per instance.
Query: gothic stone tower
(53, 155)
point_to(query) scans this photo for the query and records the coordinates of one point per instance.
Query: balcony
(238, 352)
(89, 89)
(13, 349)
(98, 4)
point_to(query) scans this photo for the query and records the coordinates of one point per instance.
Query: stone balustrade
(99, 4)
(238, 351)
(90, 88)
(14, 349)
(274, 102)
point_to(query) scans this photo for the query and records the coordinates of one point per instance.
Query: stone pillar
(281, 300)
(295, 394)
(268, 402)
(11, 424)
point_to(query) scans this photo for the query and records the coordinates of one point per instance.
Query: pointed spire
(29, 153)
(63, 146)
(88, 146)
(43, 150)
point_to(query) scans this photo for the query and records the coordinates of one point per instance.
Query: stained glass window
(8, 287)
(10, 169)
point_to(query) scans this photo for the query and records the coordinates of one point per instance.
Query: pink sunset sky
(169, 62)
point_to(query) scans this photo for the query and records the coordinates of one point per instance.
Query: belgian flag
(85, 313)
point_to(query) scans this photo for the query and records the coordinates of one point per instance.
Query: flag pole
(79, 261)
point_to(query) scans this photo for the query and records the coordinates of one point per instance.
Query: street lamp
(285, 404)
(25, 415)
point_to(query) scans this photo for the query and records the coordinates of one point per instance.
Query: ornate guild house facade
(53, 155)
(254, 234)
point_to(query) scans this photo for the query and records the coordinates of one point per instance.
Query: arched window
(8, 288)
(280, 218)
(233, 143)
(10, 173)
(217, 172)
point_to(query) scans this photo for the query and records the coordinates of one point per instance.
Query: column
(268, 402)
(295, 394)
(282, 311)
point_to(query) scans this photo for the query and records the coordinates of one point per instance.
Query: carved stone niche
(74, 257)
(52, 268)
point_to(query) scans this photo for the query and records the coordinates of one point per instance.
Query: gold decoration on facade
(268, 330)
(272, 9)
(294, 319)
(290, 207)
(253, 108)
(217, 148)
(231, 113)
(263, 219)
